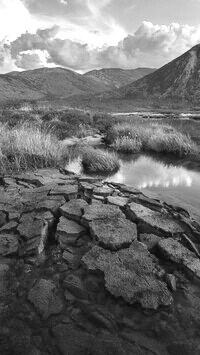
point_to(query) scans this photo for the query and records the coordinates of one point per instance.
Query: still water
(159, 177)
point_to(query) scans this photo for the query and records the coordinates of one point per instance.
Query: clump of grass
(28, 146)
(99, 161)
(127, 145)
(133, 138)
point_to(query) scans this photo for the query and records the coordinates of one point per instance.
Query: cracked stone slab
(100, 211)
(151, 221)
(2, 218)
(69, 191)
(130, 273)
(68, 231)
(176, 252)
(9, 227)
(103, 191)
(8, 244)
(117, 201)
(45, 298)
(113, 233)
(73, 209)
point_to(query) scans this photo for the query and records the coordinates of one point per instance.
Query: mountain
(116, 77)
(46, 83)
(177, 81)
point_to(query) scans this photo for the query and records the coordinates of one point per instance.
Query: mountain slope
(178, 80)
(46, 83)
(116, 77)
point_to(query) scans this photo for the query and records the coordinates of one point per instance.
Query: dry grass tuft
(99, 161)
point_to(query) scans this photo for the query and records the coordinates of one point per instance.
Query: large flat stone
(176, 252)
(113, 233)
(69, 191)
(117, 201)
(151, 221)
(103, 191)
(8, 244)
(68, 231)
(2, 218)
(73, 209)
(100, 211)
(45, 298)
(130, 273)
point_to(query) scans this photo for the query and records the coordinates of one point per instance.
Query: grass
(150, 136)
(28, 146)
(99, 161)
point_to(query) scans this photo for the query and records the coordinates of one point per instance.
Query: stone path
(95, 268)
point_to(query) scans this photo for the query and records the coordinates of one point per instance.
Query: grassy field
(28, 146)
(34, 138)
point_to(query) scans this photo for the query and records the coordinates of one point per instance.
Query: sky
(82, 35)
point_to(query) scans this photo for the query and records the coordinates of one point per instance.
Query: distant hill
(60, 83)
(177, 81)
(116, 77)
(46, 83)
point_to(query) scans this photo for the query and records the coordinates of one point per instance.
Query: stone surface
(2, 218)
(117, 201)
(69, 191)
(151, 221)
(113, 233)
(45, 298)
(73, 209)
(130, 273)
(176, 252)
(68, 231)
(103, 191)
(8, 244)
(75, 285)
(100, 211)
(9, 227)
(150, 240)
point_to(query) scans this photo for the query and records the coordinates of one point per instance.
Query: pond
(174, 181)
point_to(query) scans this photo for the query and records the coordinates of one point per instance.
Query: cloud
(151, 45)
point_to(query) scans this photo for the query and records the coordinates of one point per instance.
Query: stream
(175, 181)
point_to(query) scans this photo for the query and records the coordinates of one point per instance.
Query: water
(176, 182)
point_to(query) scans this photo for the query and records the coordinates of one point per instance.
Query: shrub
(127, 145)
(97, 160)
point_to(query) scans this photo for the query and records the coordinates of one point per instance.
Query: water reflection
(145, 172)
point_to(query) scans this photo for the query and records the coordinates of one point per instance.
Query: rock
(73, 209)
(170, 279)
(176, 252)
(51, 204)
(72, 259)
(99, 198)
(68, 231)
(30, 228)
(73, 341)
(151, 221)
(75, 285)
(148, 202)
(69, 191)
(2, 218)
(150, 240)
(86, 187)
(113, 233)
(8, 244)
(130, 273)
(99, 211)
(129, 189)
(103, 191)
(9, 227)
(117, 201)
(45, 298)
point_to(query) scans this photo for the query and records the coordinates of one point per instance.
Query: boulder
(45, 298)
(113, 233)
(68, 231)
(100, 211)
(8, 244)
(73, 209)
(130, 273)
(176, 252)
(117, 201)
(150, 221)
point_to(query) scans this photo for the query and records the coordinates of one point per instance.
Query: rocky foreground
(92, 268)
